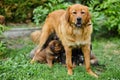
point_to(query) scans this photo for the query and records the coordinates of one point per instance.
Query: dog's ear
(88, 16)
(67, 14)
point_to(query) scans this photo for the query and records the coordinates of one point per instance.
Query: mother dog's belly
(77, 43)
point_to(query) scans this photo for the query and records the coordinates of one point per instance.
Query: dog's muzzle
(78, 22)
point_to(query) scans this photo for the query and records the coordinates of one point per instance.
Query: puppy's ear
(67, 14)
(52, 47)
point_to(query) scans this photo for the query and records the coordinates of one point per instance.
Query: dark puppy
(78, 57)
(50, 53)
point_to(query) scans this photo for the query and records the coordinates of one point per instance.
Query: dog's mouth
(78, 24)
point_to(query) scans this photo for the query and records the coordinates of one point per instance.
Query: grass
(15, 65)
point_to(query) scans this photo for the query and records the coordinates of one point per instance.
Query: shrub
(18, 10)
(41, 12)
(2, 28)
(106, 16)
(3, 47)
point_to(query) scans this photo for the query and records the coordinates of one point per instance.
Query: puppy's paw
(32, 61)
(50, 66)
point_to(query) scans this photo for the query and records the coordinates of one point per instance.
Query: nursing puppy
(78, 58)
(74, 28)
(50, 53)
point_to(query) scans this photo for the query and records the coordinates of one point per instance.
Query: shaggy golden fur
(74, 29)
(35, 36)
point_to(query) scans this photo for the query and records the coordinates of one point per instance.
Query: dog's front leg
(86, 52)
(49, 62)
(68, 52)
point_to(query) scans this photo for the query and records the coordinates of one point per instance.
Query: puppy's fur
(49, 54)
(74, 29)
(78, 58)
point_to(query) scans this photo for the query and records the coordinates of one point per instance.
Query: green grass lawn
(16, 63)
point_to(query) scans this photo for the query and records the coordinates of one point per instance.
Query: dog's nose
(79, 19)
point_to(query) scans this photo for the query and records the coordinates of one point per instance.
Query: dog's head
(55, 46)
(78, 15)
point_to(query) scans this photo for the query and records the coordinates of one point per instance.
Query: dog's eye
(74, 12)
(82, 12)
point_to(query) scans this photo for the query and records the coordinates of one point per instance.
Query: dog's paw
(93, 74)
(70, 72)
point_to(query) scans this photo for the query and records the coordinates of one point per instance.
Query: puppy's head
(55, 46)
(78, 15)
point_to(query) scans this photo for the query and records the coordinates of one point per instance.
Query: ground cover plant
(16, 64)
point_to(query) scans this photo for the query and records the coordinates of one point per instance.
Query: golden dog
(74, 28)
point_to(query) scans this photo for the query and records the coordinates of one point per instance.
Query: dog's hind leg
(46, 31)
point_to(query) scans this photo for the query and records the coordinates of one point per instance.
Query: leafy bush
(3, 48)
(18, 10)
(106, 16)
(2, 28)
(41, 12)
(2, 45)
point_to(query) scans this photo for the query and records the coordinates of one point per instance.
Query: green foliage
(41, 12)
(18, 10)
(3, 49)
(2, 28)
(2, 44)
(108, 51)
(106, 16)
